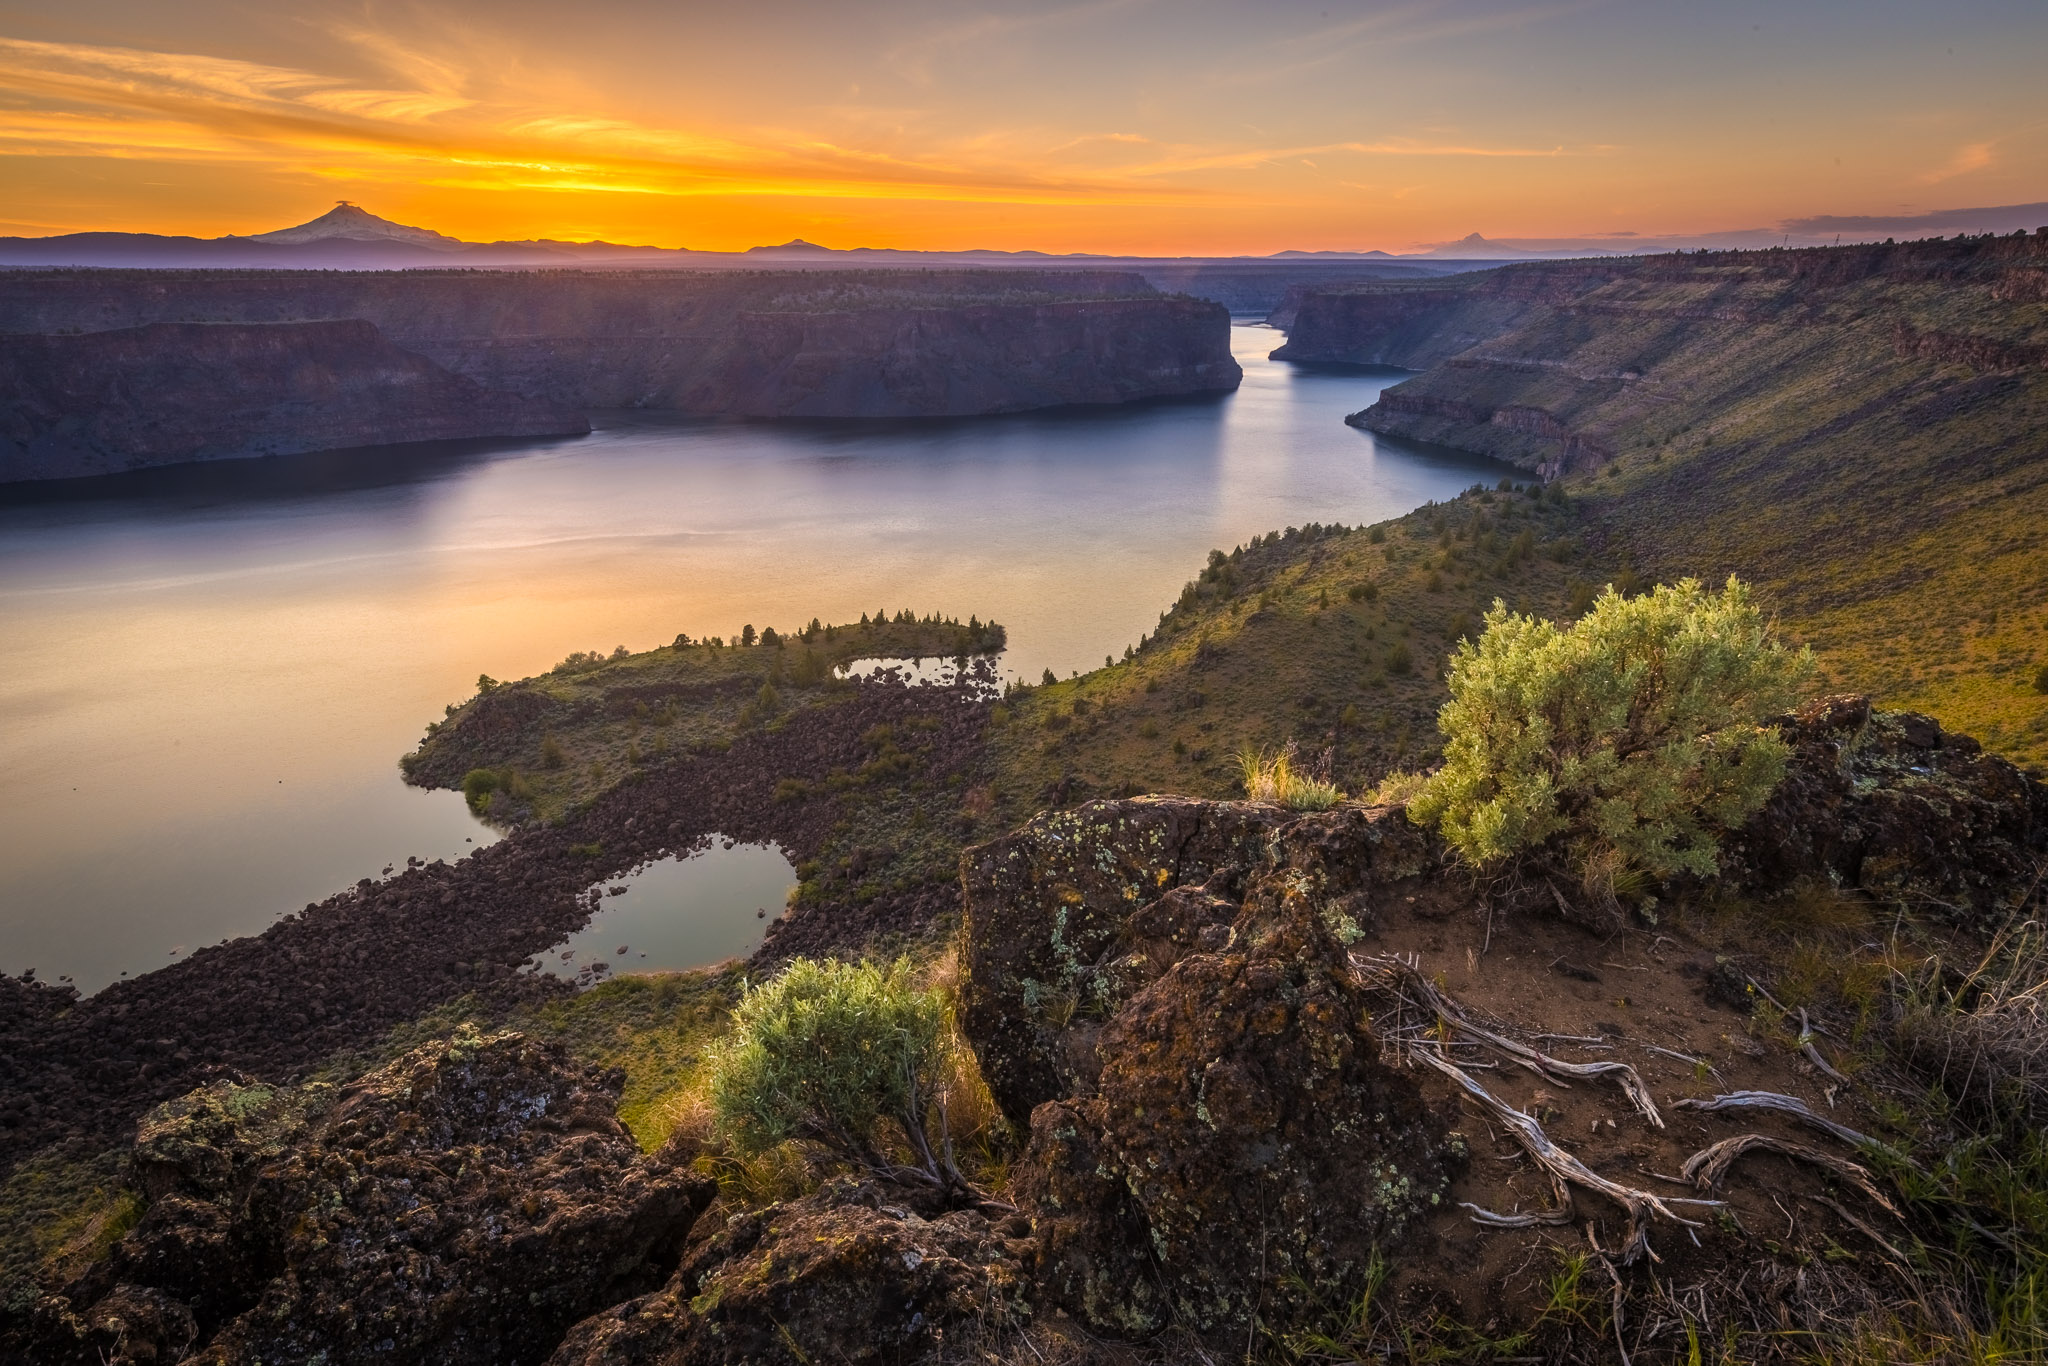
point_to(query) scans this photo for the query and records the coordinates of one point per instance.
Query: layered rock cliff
(1558, 365)
(103, 402)
(753, 344)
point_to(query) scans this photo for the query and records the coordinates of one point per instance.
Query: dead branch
(1812, 1053)
(1400, 976)
(1707, 1167)
(1785, 1105)
(1641, 1205)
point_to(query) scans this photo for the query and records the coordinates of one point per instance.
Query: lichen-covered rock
(1269, 1148)
(1095, 1257)
(1891, 804)
(1069, 915)
(1223, 1140)
(466, 1204)
(842, 1275)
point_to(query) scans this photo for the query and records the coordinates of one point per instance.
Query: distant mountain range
(348, 237)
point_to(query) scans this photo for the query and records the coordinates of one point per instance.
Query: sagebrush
(1625, 741)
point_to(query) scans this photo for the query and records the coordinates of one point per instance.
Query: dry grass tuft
(1281, 780)
(1985, 1037)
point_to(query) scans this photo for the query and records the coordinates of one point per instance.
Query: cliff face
(1557, 366)
(1412, 326)
(757, 344)
(103, 402)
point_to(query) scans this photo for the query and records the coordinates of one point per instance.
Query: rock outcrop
(1892, 805)
(466, 1204)
(1160, 987)
(848, 1274)
(731, 343)
(103, 402)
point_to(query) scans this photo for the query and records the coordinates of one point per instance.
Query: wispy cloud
(1191, 159)
(916, 59)
(127, 102)
(1971, 156)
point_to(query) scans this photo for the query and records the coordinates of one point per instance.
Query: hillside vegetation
(1862, 432)
(535, 749)
(1331, 638)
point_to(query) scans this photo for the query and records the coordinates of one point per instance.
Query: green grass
(655, 1028)
(1332, 639)
(58, 1213)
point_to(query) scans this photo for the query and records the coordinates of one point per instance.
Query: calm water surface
(209, 673)
(684, 912)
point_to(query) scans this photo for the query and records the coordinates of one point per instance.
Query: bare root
(1784, 1105)
(1395, 974)
(1565, 1170)
(1707, 1167)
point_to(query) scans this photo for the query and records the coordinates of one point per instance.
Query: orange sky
(1104, 125)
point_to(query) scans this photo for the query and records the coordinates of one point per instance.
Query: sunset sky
(1147, 126)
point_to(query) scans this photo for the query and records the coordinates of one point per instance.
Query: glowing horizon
(1116, 126)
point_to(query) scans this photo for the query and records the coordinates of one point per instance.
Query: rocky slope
(749, 344)
(1862, 432)
(102, 402)
(1239, 1044)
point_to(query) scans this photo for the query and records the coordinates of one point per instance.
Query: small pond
(678, 912)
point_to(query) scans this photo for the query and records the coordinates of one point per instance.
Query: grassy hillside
(1332, 638)
(1861, 432)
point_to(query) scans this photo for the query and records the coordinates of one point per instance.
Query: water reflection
(206, 690)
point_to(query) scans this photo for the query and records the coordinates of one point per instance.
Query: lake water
(210, 672)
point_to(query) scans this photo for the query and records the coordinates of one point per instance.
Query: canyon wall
(1560, 365)
(165, 393)
(895, 343)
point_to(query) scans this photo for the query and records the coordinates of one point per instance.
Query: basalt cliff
(89, 403)
(852, 344)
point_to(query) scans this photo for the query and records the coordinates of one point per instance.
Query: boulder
(1891, 804)
(1068, 915)
(1222, 1139)
(466, 1204)
(843, 1275)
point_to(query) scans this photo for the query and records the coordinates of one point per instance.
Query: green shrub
(477, 786)
(551, 754)
(832, 1053)
(1627, 738)
(2041, 679)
